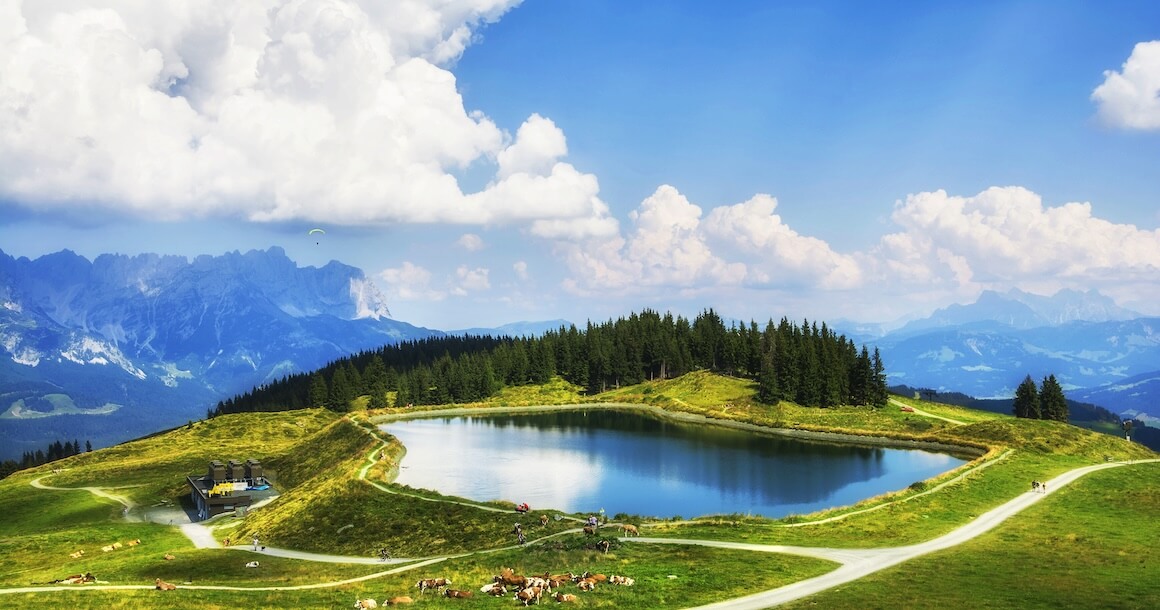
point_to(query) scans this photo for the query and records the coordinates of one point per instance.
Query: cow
(431, 583)
(543, 520)
(395, 601)
(135, 542)
(77, 555)
(589, 530)
(604, 545)
(456, 593)
(107, 548)
(565, 597)
(587, 584)
(117, 545)
(161, 585)
(496, 588)
(364, 604)
(530, 595)
(508, 577)
(169, 557)
(251, 564)
(630, 530)
(621, 580)
(596, 577)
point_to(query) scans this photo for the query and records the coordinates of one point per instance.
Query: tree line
(55, 451)
(805, 363)
(1043, 402)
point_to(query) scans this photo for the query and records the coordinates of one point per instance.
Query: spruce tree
(1052, 402)
(1026, 403)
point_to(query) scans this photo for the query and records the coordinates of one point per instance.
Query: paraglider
(316, 230)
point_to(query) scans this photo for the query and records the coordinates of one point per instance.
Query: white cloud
(1131, 98)
(470, 242)
(539, 143)
(470, 280)
(410, 283)
(340, 111)
(1005, 237)
(782, 256)
(521, 269)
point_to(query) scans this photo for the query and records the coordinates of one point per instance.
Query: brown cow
(630, 530)
(508, 577)
(589, 530)
(587, 584)
(161, 585)
(565, 597)
(596, 577)
(456, 593)
(135, 542)
(529, 595)
(395, 601)
(169, 557)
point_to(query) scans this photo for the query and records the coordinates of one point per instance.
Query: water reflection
(582, 461)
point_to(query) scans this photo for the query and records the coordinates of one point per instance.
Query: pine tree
(1026, 403)
(318, 390)
(1052, 402)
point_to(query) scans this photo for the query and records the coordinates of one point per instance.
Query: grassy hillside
(336, 497)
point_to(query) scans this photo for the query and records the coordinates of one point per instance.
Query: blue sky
(492, 161)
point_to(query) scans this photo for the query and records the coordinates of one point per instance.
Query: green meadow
(334, 474)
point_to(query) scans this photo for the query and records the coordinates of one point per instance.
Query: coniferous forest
(806, 364)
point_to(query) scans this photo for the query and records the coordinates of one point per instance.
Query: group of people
(1039, 486)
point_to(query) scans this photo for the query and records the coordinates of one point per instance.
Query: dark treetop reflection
(583, 461)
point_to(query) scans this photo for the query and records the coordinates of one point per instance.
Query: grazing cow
(495, 588)
(431, 583)
(530, 595)
(630, 529)
(251, 564)
(161, 585)
(621, 580)
(456, 593)
(589, 530)
(395, 601)
(135, 542)
(565, 597)
(364, 604)
(508, 577)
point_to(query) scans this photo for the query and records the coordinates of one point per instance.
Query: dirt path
(922, 413)
(96, 491)
(857, 563)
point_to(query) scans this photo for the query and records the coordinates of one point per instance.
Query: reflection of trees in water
(667, 467)
(770, 470)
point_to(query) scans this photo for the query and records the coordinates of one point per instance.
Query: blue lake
(629, 462)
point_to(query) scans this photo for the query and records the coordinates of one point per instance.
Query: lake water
(625, 461)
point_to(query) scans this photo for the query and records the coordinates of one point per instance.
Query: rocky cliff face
(204, 328)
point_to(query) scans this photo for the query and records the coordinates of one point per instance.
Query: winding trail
(854, 563)
(922, 413)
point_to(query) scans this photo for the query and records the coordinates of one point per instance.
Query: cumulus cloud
(341, 111)
(1130, 98)
(470, 280)
(946, 248)
(521, 269)
(1006, 236)
(470, 242)
(409, 283)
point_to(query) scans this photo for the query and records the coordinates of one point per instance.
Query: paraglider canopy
(314, 231)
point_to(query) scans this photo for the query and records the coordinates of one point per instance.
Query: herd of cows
(525, 589)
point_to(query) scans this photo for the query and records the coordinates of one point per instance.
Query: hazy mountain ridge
(984, 349)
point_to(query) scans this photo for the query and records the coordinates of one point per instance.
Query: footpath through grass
(1091, 544)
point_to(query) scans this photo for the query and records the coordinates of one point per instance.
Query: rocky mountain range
(113, 348)
(126, 345)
